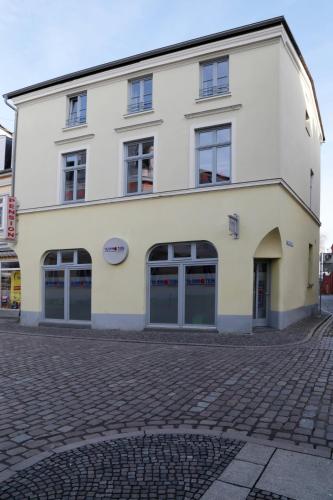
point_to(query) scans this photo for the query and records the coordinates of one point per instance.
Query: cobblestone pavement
(57, 390)
(168, 467)
(261, 336)
(257, 494)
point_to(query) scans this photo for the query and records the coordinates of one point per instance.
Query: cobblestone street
(56, 391)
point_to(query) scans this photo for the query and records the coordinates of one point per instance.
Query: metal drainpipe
(13, 159)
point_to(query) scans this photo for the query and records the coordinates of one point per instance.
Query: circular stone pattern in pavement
(164, 466)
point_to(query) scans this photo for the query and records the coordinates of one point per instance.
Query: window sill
(213, 184)
(213, 97)
(144, 193)
(71, 202)
(139, 113)
(83, 125)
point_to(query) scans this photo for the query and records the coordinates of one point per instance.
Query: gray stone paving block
(225, 491)
(255, 453)
(299, 476)
(242, 473)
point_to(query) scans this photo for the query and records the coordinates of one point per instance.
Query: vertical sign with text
(11, 218)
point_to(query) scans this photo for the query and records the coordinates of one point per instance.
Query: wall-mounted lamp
(234, 226)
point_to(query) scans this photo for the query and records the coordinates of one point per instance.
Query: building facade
(175, 188)
(10, 275)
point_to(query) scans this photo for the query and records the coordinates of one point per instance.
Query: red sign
(11, 218)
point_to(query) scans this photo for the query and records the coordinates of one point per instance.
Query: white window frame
(74, 122)
(140, 107)
(214, 147)
(74, 169)
(2, 213)
(215, 87)
(66, 268)
(140, 157)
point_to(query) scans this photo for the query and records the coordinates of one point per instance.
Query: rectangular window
(310, 266)
(139, 162)
(74, 175)
(213, 147)
(77, 110)
(2, 213)
(214, 77)
(140, 94)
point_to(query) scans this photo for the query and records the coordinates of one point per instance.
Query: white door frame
(261, 321)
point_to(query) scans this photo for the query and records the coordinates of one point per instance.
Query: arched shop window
(67, 285)
(182, 284)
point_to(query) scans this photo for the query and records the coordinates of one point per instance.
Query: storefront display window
(67, 285)
(182, 284)
(10, 285)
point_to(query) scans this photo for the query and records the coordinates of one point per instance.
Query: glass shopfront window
(10, 285)
(67, 285)
(182, 284)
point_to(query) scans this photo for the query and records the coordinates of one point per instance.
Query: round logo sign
(115, 251)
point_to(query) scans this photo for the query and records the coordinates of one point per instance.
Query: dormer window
(77, 110)
(214, 77)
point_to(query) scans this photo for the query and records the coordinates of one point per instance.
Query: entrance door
(200, 295)
(261, 294)
(164, 286)
(182, 295)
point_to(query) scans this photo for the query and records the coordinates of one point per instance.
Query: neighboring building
(202, 158)
(10, 277)
(326, 272)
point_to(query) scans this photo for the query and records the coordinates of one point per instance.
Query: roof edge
(222, 35)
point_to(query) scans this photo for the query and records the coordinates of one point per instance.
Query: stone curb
(185, 429)
(182, 344)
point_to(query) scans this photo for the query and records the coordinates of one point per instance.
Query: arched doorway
(266, 257)
(67, 286)
(182, 285)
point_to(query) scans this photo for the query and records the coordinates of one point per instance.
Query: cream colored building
(10, 276)
(159, 150)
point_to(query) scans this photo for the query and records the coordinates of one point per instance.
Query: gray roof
(195, 42)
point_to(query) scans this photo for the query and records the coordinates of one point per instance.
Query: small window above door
(67, 257)
(182, 251)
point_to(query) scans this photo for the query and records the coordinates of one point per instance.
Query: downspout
(13, 158)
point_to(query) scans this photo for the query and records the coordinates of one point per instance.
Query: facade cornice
(214, 111)
(270, 29)
(179, 192)
(77, 138)
(142, 67)
(135, 126)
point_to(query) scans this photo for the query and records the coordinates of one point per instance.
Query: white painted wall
(269, 139)
(300, 152)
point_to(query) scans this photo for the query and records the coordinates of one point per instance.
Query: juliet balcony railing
(214, 90)
(75, 119)
(136, 106)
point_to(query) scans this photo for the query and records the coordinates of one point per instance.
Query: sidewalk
(265, 472)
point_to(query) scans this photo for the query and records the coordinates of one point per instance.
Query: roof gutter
(223, 35)
(13, 158)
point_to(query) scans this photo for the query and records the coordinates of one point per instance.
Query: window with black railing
(214, 77)
(140, 94)
(77, 110)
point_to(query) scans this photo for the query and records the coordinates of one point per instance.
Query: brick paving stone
(76, 384)
(257, 494)
(161, 466)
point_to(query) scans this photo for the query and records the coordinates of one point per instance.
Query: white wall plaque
(115, 251)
